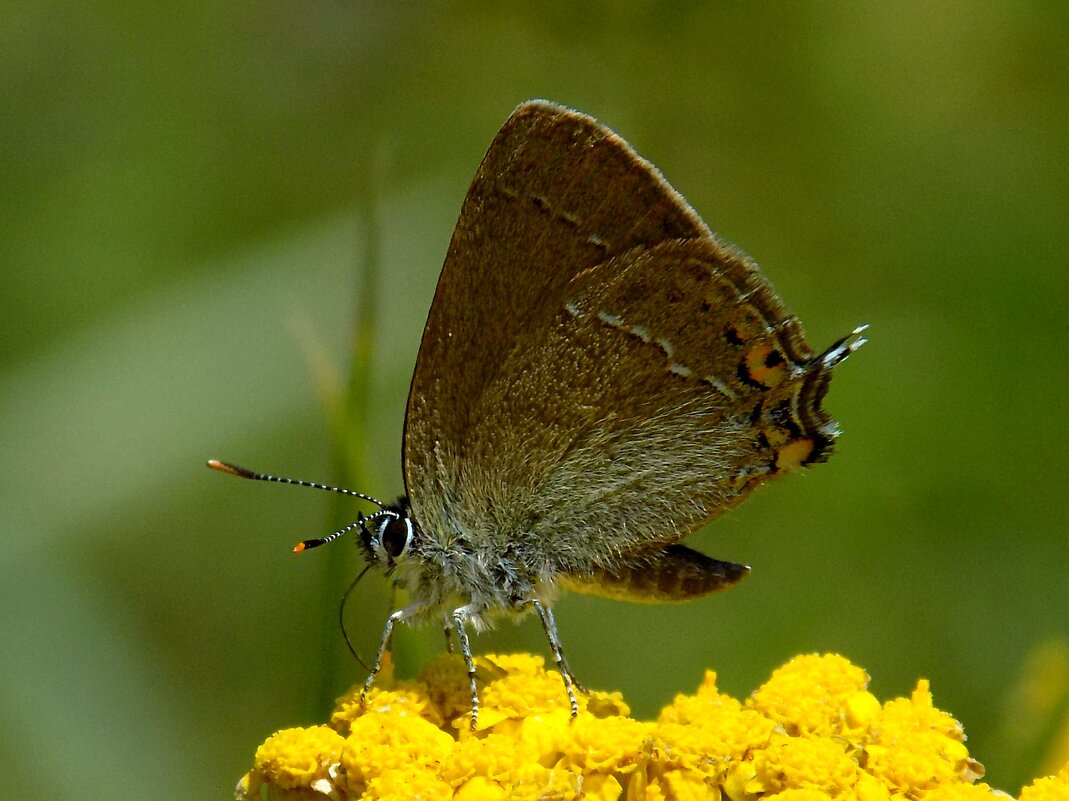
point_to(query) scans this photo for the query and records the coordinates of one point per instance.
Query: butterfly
(598, 377)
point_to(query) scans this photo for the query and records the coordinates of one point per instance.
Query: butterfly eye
(395, 535)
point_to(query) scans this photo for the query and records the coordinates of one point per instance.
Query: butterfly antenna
(241, 472)
(304, 545)
(341, 618)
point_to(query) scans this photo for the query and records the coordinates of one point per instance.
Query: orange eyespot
(794, 454)
(765, 365)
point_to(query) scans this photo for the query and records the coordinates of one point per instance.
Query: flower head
(813, 732)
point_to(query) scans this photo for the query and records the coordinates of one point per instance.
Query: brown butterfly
(598, 377)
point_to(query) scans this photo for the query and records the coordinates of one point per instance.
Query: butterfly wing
(598, 375)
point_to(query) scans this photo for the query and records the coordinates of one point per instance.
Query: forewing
(556, 194)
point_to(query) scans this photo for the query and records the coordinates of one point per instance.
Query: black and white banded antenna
(304, 545)
(242, 472)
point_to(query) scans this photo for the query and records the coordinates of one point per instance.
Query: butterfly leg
(460, 615)
(549, 625)
(384, 645)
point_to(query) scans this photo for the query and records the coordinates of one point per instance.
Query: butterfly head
(387, 536)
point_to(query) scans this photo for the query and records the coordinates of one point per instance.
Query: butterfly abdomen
(674, 573)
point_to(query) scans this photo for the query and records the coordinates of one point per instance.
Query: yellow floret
(412, 700)
(683, 786)
(538, 783)
(741, 782)
(517, 687)
(709, 727)
(1049, 788)
(293, 759)
(479, 788)
(860, 709)
(494, 757)
(868, 788)
(409, 783)
(385, 741)
(605, 745)
(805, 763)
(543, 736)
(914, 746)
(809, 694)
(602, 788)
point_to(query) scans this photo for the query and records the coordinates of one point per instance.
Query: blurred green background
(190, 195)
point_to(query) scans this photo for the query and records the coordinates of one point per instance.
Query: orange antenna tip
(223, 467)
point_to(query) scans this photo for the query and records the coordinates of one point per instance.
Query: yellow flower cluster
(811, 733)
